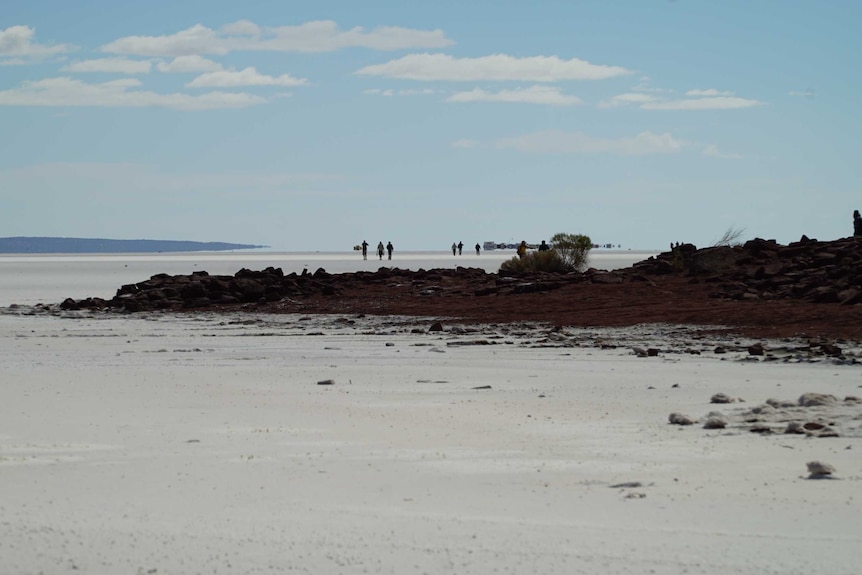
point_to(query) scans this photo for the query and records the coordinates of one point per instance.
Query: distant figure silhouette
(454, 248)
(857, 223)
(364, 250)
(460, 247)
(380, 250)
(522, 249)
(543, 247)
(389, 249)
(478, 247)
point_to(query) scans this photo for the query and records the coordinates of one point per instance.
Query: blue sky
(315, 125)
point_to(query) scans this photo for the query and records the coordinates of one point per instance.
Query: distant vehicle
(490, 246)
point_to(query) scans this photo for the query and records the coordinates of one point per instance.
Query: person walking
(478, 247)
(364, 250)
(380, 250)
(522, 249)
(389, 249)
(460, 247)
(454, 248)
(857, 223)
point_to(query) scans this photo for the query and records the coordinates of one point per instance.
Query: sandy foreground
(170, 444)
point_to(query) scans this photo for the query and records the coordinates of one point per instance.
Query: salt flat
(205, 444)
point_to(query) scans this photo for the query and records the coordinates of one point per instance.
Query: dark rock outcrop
(817, 272)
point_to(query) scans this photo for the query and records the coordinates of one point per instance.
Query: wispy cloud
(709, 92)
(712, 151)
(13, 61)
(560, 142)
(61, 92)
(547, 95)
(111, 66)
(645, 86)
(188, 64)
(648, 98)
(498, 67)
(16, 44)
(628, 99)
(388, 92)
(317, 36)
(247, 77)
(710, 103)
(802, 93)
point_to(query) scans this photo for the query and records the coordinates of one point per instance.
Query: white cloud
(434, 67)
(644, 86)
(712, 103)
(391, 92)
(186, 64)
(247, 77)
(241, 28)
(195, 40)
(653, 99)
(325, 36)
(379, 92)
(317, 36)
(17, 41)
(63, 92)
(712, 151)
(560, 142)
(414, 92)
(111, 66)
(627, 99)
(710, 92)
(465, 143)
(802, 93)
(533, 95)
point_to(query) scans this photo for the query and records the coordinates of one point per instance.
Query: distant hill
(27, 245)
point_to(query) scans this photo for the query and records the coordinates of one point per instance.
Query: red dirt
(668, 299)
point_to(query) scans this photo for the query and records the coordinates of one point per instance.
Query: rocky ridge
(683, 285)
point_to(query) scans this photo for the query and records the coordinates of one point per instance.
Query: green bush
(568, 253)
(548, 261)
(572, 249)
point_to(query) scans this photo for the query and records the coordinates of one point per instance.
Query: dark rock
(70, 304)
(816, 399)
(680, 419)
(830, 350)
(721, 398)
(715, 421)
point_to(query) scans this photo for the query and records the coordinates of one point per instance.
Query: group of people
(522, 248)
(457, 249)
(389, 248)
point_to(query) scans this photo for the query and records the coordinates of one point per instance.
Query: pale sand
(205, 445)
